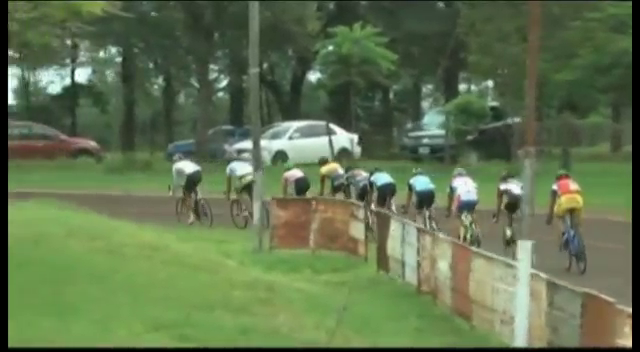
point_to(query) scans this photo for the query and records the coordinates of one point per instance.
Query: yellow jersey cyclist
(463, 196)
(294, 177)
(385, 188)
(335, 173)
(187, 174)
(566, 195)
(358, 180)
(240, 171)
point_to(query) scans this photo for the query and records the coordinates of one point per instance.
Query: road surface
(608, 241)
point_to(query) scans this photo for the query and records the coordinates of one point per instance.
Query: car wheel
(279, 158)
(86, 154)
(344, 156)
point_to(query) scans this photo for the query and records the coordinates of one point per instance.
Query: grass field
(607, 185)
(80, 279)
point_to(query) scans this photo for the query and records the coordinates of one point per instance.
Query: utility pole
(254, 110)
(533, 50)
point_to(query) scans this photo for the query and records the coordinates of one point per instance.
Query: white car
(300, 142)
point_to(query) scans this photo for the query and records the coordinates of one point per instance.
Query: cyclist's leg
(429, 199)
(559, 212)
(190, 184)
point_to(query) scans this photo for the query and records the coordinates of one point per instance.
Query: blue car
(217, 138)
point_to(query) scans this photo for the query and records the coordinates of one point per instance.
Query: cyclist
(566, 195)
(295, 177)
(463, 195)
(187, 174)
(335, 173)
(510, 193)
(424, 190)
(359, 180)
(241, 170)
(385, 188)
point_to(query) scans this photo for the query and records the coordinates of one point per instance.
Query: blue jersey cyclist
(424, 190)
(385, 188)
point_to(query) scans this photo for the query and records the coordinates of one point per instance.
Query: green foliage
(467, 111)
(355, 55)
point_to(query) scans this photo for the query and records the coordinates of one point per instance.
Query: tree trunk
(205, 96)
(298, 76)
(416, 99)
(615, 142)
(168, 105)
(73, 89)
(128, 79)
(25, 91)
(236, 92)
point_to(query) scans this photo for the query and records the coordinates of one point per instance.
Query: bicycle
(574, 245)
(240, 215)
(204, 215)
(469, 230)
(425, 218)
(509, 238)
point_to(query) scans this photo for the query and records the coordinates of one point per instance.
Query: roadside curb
(215, 196)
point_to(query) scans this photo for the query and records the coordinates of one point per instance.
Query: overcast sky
(54, 79)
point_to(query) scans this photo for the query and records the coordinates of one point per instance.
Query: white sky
(55, 79)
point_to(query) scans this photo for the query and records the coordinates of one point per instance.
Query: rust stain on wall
(291, 222)
(461, 269)
(598, 320)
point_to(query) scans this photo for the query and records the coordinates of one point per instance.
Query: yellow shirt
(331, 169)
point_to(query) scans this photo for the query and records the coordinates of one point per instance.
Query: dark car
(218, 138)
(30, 140)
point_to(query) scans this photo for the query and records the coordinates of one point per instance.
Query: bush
(129, 163)
(467, 112)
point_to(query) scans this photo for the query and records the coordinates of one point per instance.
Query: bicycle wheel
(474, 236)
(236, 209)
(578, 253)
(206, 215)
(182, 212)
(509, 243)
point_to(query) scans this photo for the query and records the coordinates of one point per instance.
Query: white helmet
(458, 171)
(244, 157)
(177, 157)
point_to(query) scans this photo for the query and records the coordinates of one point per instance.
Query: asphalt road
(608, 242)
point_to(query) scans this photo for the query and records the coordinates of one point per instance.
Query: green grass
(607, 185)
(79, 279)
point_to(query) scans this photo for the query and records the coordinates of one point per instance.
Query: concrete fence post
(522, 299)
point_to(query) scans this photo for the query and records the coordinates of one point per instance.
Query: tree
(355, 56)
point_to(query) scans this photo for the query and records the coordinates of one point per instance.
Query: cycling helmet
(417, 170)
(375, 169)
(323, 161)
(458, 171)
(177, 157)
(507, 175)
(562, 174)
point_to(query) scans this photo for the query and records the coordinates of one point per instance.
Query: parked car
(427, 137)
(218, 140)
(30, 140)
(302, 141)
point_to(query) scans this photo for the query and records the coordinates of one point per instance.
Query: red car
(30, 140)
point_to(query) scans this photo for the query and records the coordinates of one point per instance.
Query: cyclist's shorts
(468, 206)
(568, 202)
(425, 199)
(338, 184)
(512, 204)
(245, 179)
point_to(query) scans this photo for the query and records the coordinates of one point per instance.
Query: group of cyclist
(462, 193)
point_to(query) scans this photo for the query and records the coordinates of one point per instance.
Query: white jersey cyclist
(242, 171)
(464, 189)
(186, 174)
(511, 186)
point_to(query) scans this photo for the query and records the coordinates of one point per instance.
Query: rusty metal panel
(291, 222)
(461, 269)
(357, 229)
(505, 277)
(333, 218)
(481, 292)
(624, 327)
(599, 315)
(443, 255)
(564, 314)
(538, 332)
(410, 254)
(383, 220)
(394, 247)
(427, 262)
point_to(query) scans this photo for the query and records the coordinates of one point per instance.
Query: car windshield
(276, 132)
(433, 119)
